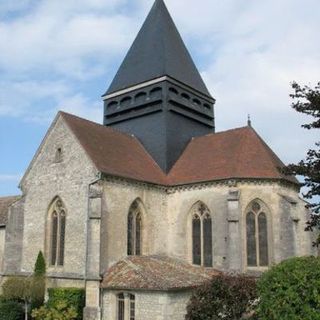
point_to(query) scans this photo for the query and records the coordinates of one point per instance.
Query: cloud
(53, 53)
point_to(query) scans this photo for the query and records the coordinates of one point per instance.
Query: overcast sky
(62, 55)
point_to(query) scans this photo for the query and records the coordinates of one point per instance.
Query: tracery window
(201, 235)
(134, 229)
(57, 216)
(125, 306)
(257, 236)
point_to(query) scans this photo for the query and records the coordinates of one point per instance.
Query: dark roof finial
(249, 120)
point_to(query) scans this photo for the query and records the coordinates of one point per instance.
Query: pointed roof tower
(158, 94)
(157, 51)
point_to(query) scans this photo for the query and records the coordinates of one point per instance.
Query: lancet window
(201, 235)
(134, 229)
(57, 217)
(257, 236)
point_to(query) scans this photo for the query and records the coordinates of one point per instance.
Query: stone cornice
(231, 183)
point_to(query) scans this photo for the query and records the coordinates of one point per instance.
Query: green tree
(290, 290)
(306, 100)
(39, 282)
(40, 265)
(30, 290)
(19, 288)
(223, 298)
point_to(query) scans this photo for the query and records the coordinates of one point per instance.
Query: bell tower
(158, 94)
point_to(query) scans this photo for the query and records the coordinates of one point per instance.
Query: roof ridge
(63, 113)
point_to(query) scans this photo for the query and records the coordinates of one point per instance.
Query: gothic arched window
(257, 236)
(134, 230)
(57, 216)
(201, 235)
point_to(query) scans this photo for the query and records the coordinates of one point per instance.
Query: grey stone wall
(148, 305)
(68, 179)
(167, 221)
(14, 238)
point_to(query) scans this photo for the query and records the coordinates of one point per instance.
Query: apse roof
(233, 154)
(157, 51)
(155, 273)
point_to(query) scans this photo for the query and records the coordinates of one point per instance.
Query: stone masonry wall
(149, 305)
(167, 221)
(67, 179)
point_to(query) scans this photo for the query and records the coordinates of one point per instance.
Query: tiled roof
(5, 203)
(155, 273)
(238, 153)
(113, 152)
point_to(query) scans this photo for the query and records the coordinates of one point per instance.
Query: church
(148, 205)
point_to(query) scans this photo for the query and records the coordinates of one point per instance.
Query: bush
(291, 290)
(61, 312)
(11, 310)
(224, 297)
(73, 297)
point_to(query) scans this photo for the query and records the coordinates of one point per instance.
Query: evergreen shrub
(11, 310)
(290, 290)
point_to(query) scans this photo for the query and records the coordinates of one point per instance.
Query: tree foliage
(10, 310)
(306, 100)
(39, 282)
(40, 265)
(223, 298)
(290, 290)
(63, 304)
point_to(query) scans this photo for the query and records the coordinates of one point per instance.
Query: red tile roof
(155, 273)
(114, 152)
(238, 153)
(5, 203)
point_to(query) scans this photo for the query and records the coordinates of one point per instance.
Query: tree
(39, 282)
(306, 100)
(225, 297)
(290, 290)
(30, 290)
(19, 288)
(40, 265)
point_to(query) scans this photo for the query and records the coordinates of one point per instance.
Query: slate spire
(158, 94)
(157, 51)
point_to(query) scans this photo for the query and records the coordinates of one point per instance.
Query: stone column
(234, 231)
(92, 309)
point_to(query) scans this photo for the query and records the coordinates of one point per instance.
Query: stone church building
(153, 202)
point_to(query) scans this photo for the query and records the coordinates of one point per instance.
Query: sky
(62, 55)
